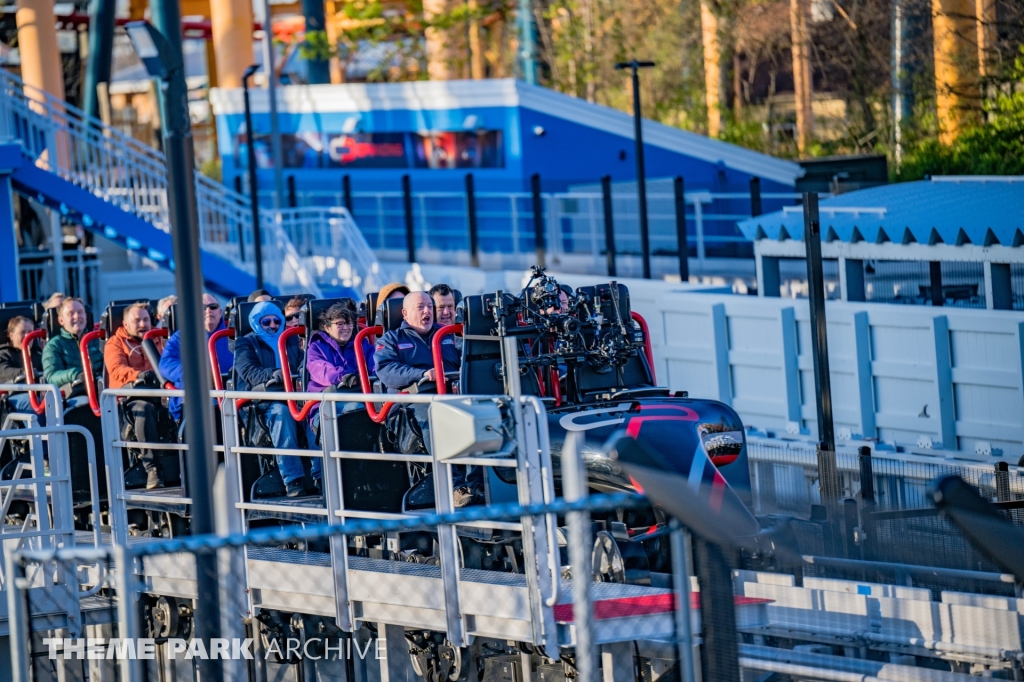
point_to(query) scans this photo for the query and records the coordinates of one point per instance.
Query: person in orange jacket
(127, 364)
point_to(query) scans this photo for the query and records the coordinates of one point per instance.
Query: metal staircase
(61, 140)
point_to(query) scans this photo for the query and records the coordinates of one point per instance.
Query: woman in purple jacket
(331, 358)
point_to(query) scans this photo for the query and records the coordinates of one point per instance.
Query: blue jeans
(283, 434)
(19, 402)
(76, 401)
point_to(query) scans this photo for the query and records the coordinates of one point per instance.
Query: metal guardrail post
(346, 191)
(682, 244)
(474, 236)
(20, 627)
(755, 196)
(574, 487)
(609, 224)
(538, 219)
(682, 551)
(867, 497)
(293, 200)
(410, 227)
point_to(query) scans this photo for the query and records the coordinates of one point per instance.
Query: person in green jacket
(62, 360)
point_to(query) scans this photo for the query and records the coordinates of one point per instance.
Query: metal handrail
(121, 170)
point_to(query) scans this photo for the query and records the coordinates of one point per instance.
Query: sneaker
(295, 488)
(465, 496)
(153, 479)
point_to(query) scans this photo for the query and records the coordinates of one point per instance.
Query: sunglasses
(341, 323)
(270, 322)
(294, 316)
(212, 306)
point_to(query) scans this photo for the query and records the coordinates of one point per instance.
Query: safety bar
(286, 373)
(211, 347)
(364, 374)
(38, 406)
(158, 333)
(90, 382)
(648, 350)
(435, 350)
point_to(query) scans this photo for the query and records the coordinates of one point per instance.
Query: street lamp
(162, 60)
(257, 237)
(641, 180)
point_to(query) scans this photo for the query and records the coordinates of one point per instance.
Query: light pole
(641, 180)
(257, 237)
(162, 60)
(529, 64)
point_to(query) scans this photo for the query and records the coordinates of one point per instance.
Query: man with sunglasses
(170, 360)
(258, 368)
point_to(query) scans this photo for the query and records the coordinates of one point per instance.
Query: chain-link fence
(827, 566)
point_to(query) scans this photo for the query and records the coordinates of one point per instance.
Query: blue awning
(948, 210)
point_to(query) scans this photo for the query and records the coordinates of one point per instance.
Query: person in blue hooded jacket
(258, 368)
(170, 359)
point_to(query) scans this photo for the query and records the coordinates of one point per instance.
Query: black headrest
(171, 319)
(389, 315)
(38, 314)
(9, 313)
(603, 294)
(315, 307)
(113, 316)
(478, 314)
(53, 326)
(371, 306)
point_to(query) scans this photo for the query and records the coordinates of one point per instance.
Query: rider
(127, 364)
(404, 357)
(331, 358)
(62, 360)
(444, 304)
(170, 360)
(258, 368)
(12, 366)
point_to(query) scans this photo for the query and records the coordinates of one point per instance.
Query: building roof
(982, 210)
(506, 92)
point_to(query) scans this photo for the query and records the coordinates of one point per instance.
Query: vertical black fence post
(935, 279)
(474, 236)
(241, 228)
(867, 497)
(410, 228)
(346, 191)
(816, 297)
(828, 475)
(681, 241)
(538, 219)
(609, 224)
(755, 196)
(293, 200)
(720, 653)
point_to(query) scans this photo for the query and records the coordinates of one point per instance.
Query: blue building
(502, 132)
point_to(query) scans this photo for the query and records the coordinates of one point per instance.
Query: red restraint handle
(435, 350)
(211, 349)
(364, 374)
(38, 404)
(647, 343)
(90, 382)
(286, 373)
